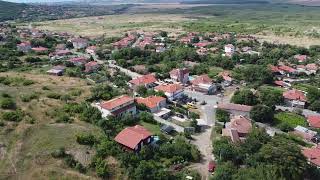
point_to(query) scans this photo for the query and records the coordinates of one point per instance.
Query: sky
(32, 1)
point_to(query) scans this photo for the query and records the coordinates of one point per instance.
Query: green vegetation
(15, 81)
(222, 115)
(291, 119)
(262, 113)
(10, 11)
(245, 97)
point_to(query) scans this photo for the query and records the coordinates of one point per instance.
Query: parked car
(203, 103)
(211, 166)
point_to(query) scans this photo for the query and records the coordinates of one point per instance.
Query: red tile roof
(279, 83)
(301, 58)
(202, 44)
(116, 102)
(143, 80)
(92, 48)
(241, 124)
(236, 107)
(91, 64)
(286, 69)
(312, 154)
(78, 59)
(132, 136)
(295, 95)
(169, 88)
(26, 43)
(314, 121)
(151, 101)
(225, 75)
(312, 66)
(39, 49)
(274, 69)
(203, 79)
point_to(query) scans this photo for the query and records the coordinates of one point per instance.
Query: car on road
(211, 166)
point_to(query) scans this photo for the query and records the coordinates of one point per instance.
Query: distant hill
(226, 1)
(10, 11)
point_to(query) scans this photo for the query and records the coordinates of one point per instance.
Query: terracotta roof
(132, 136)
(91, 63)
(301, 58)
(279, 83)
(236, 107)
(177, 72)
(286, 68)
(225, 75)
(241, 124)
(116, 102)
(78, 59)
(202, 44)
(295, 95)
(203, 79)
(39, 49)
(146, 79)
(92, 48)
(26, 43)
(312, 154)
(314, 121)
(151, 101)
(274, 69)
(169, 88)
(312, 66)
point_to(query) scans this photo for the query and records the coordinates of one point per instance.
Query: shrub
(222, 115)
(28, 97)
(63, 118)
(12, 116)
(54, 95)
(86, 139)
(7, 103)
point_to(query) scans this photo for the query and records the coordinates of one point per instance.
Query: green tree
(244, 97)
(224, 171)
(262, 113)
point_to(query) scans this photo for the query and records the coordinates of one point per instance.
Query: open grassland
(115, 25)
(26, 154)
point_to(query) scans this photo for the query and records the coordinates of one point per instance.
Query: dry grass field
(116, 25)
(26, 154)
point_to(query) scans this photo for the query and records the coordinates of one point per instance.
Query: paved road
(176, 127)
(305, 112)
(126, 71)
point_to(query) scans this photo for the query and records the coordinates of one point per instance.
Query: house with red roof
(78, 61)
(147, 81)
(202, 44)
(295, 98)
(301, 58)
(304, 133)
(91, 66)
(314, 121)
(287, 70)
(312, 155)
(172, 91)
(203, 84)
(153, 103)
(124, 42)
(180, 75)
(133, 138)
(237, 129)
(79, 43)
(24, 46)
(227, 79)
(91, 50)
(235, 109)
(40, 49)
(117, 107)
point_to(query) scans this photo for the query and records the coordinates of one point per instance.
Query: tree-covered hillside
(9, 10)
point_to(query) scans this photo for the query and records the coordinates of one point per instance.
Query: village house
(204, 84)
(301, 58)
(282, 84)
(312, 68)
(124, 42)
(229, 50)
(235, 109)
(202, 44)
(133, 138)
(314, 121)
(180, 75)
(91, 50)
(78, 61)
(172, 91)
(117, 107)
(304, 133)
(24, 46)
(147, 40)
(91, 66)
(56, 70)
(147, 81)
(153, 103)
(40, 49)
(312, 155)
(237, 129)
(295, 98)
(59, 54)
(226, 76)
(79, 43)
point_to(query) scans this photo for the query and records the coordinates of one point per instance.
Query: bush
(222, 115)
(59, 153)
(86, 139)
(7, 103)
(284, 126)
(15, 116)
(1, 124)
(54, 95)
(64, 118)
(28, 97)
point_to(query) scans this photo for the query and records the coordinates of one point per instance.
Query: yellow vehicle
(191, 106)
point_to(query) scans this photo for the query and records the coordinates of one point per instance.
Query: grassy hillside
(9, 11)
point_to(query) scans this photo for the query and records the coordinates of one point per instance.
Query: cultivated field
(116, 25)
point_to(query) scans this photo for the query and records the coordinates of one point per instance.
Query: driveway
(132, 74)
(162, 121)
(305, 112)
